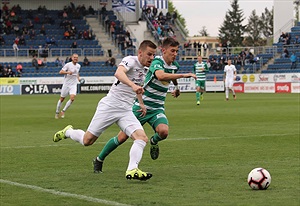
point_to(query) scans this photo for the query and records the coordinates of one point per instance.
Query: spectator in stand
(15, 48)
(43, 30)
(239, 60)
(1, 69)
(30, 25)
(68, 59)
(168, 16)
(293, 59)
(103, 9)
(31, 34)
(22, 41)
(59, 63)
(25, 30)
(5, 9)
(92, 11)
(282, 37)
(65, 15)
(154, 11)
(128, 42)
(53, 41)
(86, 34)
(32, 52)
(48, 40)
(40, 63)
(86, 61)
(112, 31)
(285, 53)
(17, 30)
(2, 41)
(74, 45)
(111, 61)
(19, 69)
(174, 17)
(10, 73)
(4, 72)
(45, 62)
(213, 64)
(287, 40)
(9, 66)
(34, 63)
(66, 34)
(297, 41)
(205, 47)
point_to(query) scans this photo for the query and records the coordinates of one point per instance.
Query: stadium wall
(249, 83)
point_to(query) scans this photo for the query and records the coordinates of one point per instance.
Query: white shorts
(229, 83)
(65, 90)
(106, 115)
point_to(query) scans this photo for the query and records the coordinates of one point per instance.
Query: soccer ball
(82, 81)
(259, 179)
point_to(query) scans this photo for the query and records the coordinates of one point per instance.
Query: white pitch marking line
(169, 139)
(64, 194)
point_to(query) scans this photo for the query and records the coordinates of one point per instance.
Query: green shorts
(200, 83)
(153, 117)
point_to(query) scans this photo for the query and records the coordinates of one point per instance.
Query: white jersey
(229, 70)
(71, 79)
(121, 95)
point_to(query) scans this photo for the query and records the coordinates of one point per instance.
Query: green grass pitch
(206, 159)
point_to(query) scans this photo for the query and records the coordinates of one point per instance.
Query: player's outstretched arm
(143, 109)
(120, 74)
(162, 76)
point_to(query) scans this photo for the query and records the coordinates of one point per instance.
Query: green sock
(155, 139)
(197, 96)
(110, 146)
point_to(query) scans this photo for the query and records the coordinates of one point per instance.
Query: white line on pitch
(64, 194)
(169, 139)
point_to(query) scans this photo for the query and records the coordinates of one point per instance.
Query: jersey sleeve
(156, 64)
(127, 62)
(65, 68)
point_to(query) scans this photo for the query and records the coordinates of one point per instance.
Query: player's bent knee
(139, 134)
(89, 139)
(163, 134)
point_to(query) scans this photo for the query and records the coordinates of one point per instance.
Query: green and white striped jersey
(155, 90)
(198, 70)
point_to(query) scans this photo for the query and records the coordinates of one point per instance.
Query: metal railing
(51, 52)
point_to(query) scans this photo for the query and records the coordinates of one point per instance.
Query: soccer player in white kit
(71, 78)
(116, 107)
(230, 75)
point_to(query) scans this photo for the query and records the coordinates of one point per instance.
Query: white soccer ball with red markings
(259, 179)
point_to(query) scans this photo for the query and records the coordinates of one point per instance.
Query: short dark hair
(147, 43)
(169, 41)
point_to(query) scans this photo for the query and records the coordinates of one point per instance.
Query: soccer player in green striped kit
(200, 69)
(161, 72)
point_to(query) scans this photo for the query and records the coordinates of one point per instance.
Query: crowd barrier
(248, 83)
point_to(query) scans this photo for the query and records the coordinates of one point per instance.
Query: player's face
(146, 56)
(170, 54)
(229, 62)
(199, 59)
(75, 59)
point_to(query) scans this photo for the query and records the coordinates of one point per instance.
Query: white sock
(233, 93)
(227, 92)
(58, 106)
(76, 135)
(136, 154)
(68, 104)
